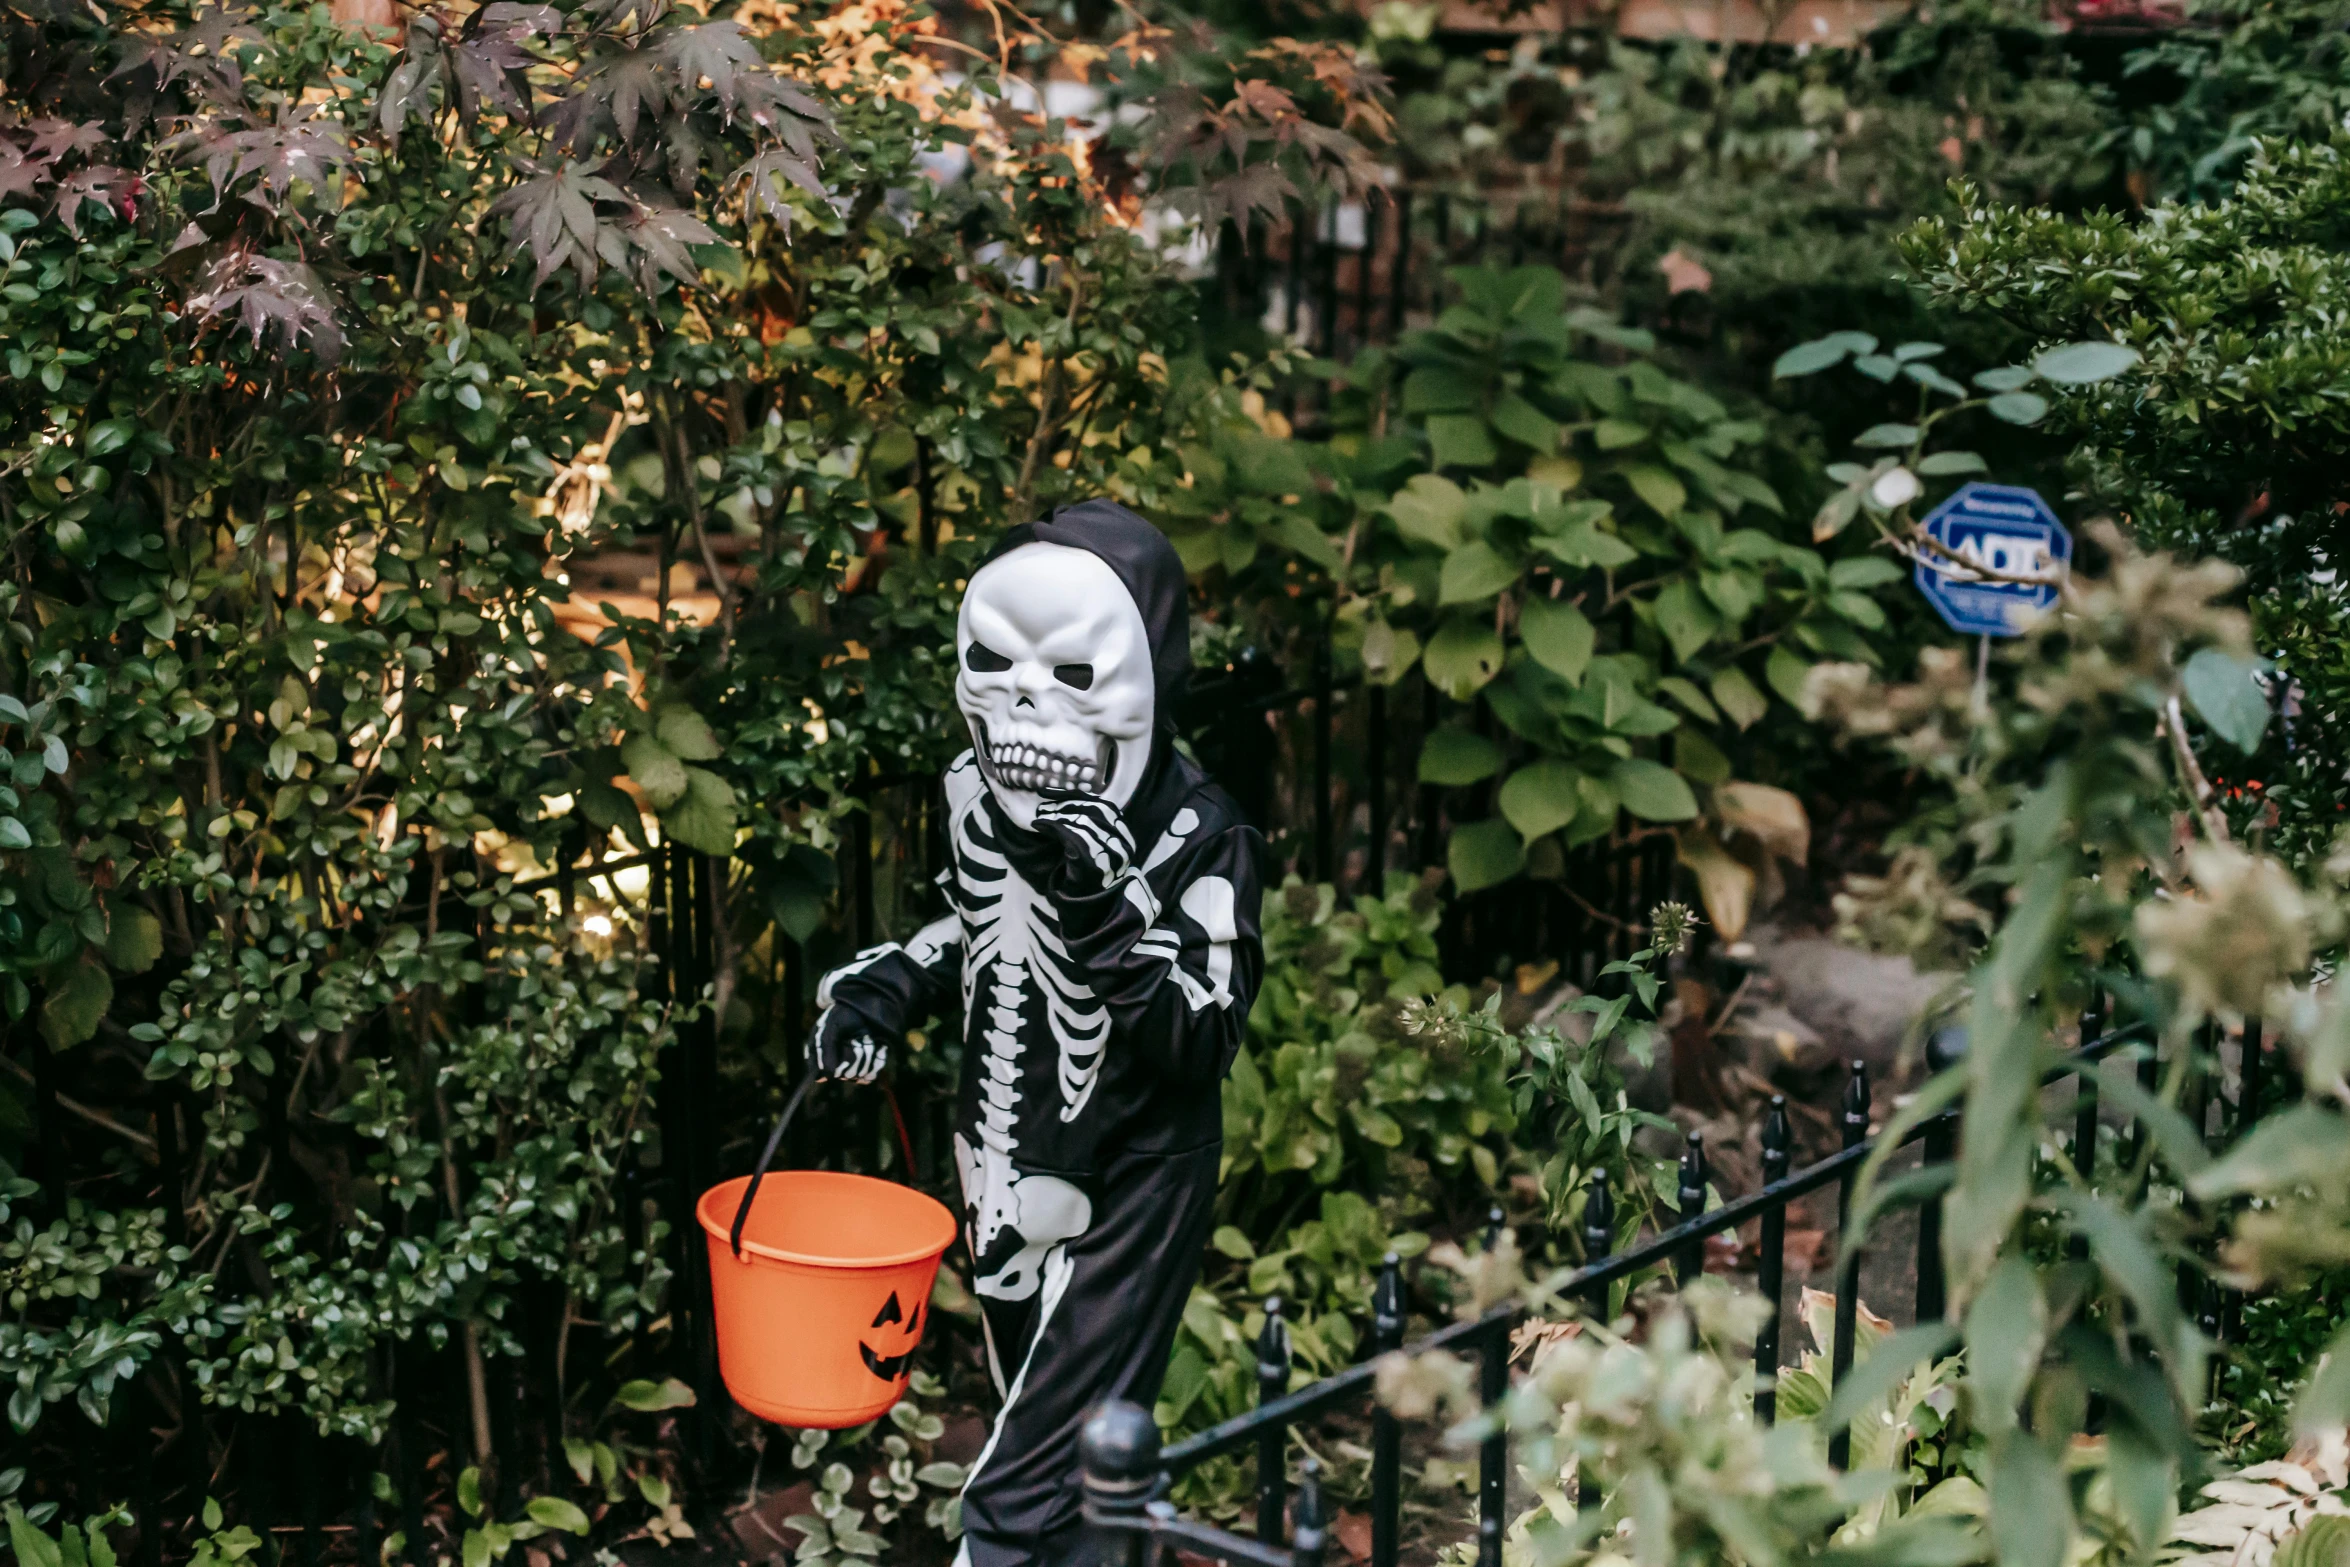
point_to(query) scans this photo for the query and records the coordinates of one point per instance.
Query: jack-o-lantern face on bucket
(887, 1360)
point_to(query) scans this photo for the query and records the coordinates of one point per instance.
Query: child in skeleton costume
(1103, 938)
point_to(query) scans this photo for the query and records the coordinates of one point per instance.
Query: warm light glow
(597, 925)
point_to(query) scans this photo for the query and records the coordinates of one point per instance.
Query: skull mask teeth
(1055, 678)
(1039, 770)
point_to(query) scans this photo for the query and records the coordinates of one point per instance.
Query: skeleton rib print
(1011, 937)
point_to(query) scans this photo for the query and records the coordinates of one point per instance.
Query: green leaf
(1935, 465)
(1525, 424)
(1541, 798)
(1685, 619)
(2085, 364)
(1664, 494)
(2019, 407)
(2144, 1482)
(1460, 441)
(475, 1551)
(1388, 652)
(1821, 354)
(2227, 695)
(2324, 1404)
(703, 817)
(682, 731)
(1484, 854)
(2007, 378)
(1428, 510)
(1739, 697)
(1887, 435)
(646, 1397)
(2295, 1147)
(1557, 635)
(1293, 532)
(1695, 701)
(1463, 656)
(2324, 1541)
(2174, 1135)
(656, 769)
(1865, 571)
(33, 1548)
(1695, 756)
(553, 1512)
(1615, 434)
(2031, 1505)
(1441, 389)
(1835, 514)
(76, 1002)
(134, 938)
(1474, 571)
(1232, 1242)
(581, 1456)
(1583, 545)
(469, 1491)
(1652, 791)
(1917, 1539)
(1786, 674)
(2006, 1328)
(1871, 1381)
(1453, 757)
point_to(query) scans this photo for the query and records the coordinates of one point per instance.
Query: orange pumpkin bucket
(819, 1288)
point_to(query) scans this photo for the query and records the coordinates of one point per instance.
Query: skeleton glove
(1095, 846)
(843, 1049)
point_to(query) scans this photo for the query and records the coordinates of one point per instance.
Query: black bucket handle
(791, 1108)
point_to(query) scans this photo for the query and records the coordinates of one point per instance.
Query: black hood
(1152, 572)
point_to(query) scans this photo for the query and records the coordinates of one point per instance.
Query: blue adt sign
(2003, 529)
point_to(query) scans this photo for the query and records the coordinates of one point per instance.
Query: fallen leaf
(1773, 817)
(1352, 1531)
(1684, 274)
(1530, 1339)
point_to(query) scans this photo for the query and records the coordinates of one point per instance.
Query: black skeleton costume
(1104, 941)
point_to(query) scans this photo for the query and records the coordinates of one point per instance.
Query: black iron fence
(1128, 1475)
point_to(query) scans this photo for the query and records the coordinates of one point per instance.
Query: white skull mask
(1055, 678)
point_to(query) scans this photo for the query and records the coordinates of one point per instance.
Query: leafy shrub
(1327, 1087)
(329, 358)
(1520, 501)
(2229, 438)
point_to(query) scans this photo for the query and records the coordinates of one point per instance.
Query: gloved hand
(1095, 846)
(844, 1049)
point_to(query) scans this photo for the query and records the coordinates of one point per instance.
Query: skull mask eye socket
(982, 659)
(1078, 675)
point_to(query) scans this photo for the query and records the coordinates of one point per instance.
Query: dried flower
(2242, 932)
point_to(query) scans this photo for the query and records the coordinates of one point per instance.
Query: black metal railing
(1128, 1474)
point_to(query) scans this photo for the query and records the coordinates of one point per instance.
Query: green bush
(2228, 442)
(1522, 503)
(1327, 1087)
(327, 359)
